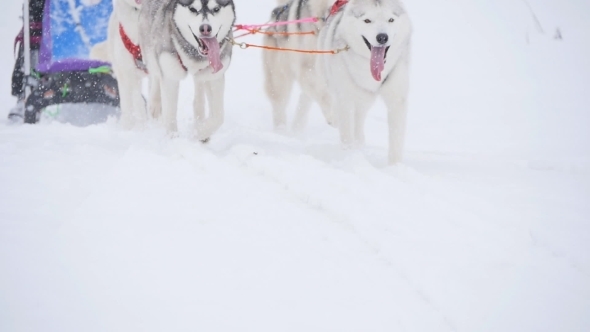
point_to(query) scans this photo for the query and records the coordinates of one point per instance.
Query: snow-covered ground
(484, 227)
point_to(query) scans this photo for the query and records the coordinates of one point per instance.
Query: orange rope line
(270, 33)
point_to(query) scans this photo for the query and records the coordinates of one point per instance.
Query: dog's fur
(283, 69)
(170, 38)
(129, 76)
(346, 84)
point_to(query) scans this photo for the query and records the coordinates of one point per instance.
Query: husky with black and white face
(187, 37)
(205, 25)
(377, 34)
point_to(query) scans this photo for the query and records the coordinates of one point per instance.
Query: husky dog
(180, 37)
(124, 54)
(377, 33)
(282, 69)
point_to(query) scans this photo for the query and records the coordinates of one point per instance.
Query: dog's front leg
(126, 102)
(360, 115)
(395, 94)
(315, 86)
(155, 97)
(278, 82)
(344, 112)
(139, 104)
(302, 113)
(214, 91)
(199, 102)
(169, 90)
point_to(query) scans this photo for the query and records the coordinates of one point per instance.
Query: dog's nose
(205, 29)
(382, 38)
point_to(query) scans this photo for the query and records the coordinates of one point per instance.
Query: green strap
(65, 90)
(100, 70)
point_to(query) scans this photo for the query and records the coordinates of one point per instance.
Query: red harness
(337, 6)
(135, 51)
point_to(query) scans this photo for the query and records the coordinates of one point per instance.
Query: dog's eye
(216, 9)
(391, 20)
(193, 10)
(367, 21)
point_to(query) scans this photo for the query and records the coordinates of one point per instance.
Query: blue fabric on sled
(70, 29)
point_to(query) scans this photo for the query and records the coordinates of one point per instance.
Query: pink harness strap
(274, 24)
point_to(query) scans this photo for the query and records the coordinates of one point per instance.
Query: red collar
(135, 50)
(181, 63)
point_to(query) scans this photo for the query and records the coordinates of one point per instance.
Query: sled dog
(124, 54)
(377, 33)
(283, 69)
(187, 37)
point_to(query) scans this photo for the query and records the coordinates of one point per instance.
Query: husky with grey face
(377, 33)
(180, 37)
(283, 69)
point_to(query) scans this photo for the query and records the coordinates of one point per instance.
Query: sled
(62, 76)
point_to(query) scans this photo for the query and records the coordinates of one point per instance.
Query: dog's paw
(203, 136)
(206, 129)
(333, 124)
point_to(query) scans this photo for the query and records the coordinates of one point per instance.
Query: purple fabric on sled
(46, 64)
(71, 65)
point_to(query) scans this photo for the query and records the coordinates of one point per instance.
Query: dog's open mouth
(209, 47)
(378, 58)
(203, 48)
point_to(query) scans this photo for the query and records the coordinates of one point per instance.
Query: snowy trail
(231, 226)
(484, 227)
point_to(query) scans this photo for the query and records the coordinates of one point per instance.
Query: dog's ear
(185, 2)
(223, 3)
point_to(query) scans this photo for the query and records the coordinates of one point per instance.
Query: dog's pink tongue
(213, 53)
(377, 61)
